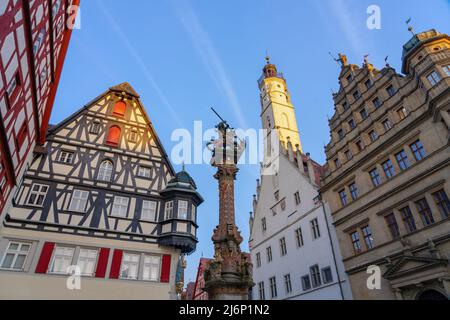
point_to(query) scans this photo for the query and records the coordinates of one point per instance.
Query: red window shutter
(165, 268)
(116, 263)
(114, 136)
(102, 263)
(119, 108)
(46, 255)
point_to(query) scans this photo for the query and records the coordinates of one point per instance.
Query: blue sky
(184, 56)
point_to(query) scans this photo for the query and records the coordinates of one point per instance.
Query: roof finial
(267, 57)
(184, 167)
(410, 28)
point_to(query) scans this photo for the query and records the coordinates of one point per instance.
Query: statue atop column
(229, 275)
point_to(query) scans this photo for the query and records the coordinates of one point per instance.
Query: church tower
(278, 113)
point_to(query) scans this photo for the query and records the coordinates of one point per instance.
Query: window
(402, 113)
(343, 196)
(337, 163)
(95, 128)
(133, 136)
(105, 171)
(14, 86)
(269, 254)
(297, 198)
(66, 157)
(144, 172)
(341, 134)
(193, 213)
(434, 78)
(354, 191)
(283, 247)
(345, 106)
(120, 207)
(425, 212)
(373, 136)
(402, 160)
(16, 256)
(287, 283)
(376, 102)
(356, 242)
(120, 108)
(375, 176)
(349, 78)
(168, 211)
(392, 224)
(364, 114)
(37, 195)
(22, 134)
(277, 195)
(368, 84)
(258, 260)
(299, 237)
(262, 291)
(151, 268)
(315, 229)
(356, 95)
(388, 169)
(446, 70)
(418, 150)
(306, 283)
(79, 201)
(114, 134)
(87, 261)
(183, 209)
(408, 219)
(273, 287)
(264, 224)
(359, 144)
(352, 124)
(130, 266)
(62, 260)
(149, 210)
(443, 203)
(327, 275)
(387, 124)
(349, 155)
(368, 239)
(315, 276)
(391, 90)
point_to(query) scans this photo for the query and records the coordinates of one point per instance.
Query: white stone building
(293, 244)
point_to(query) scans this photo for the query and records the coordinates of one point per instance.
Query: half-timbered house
(102, 201)
(34, 37)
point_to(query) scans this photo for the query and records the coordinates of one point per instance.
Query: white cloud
(209, 55)
(141, 64)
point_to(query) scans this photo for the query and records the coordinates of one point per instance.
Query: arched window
(284, 121)
(105, 171)
(114, 136)
(119, 108)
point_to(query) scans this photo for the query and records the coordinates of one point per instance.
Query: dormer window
(119, 108)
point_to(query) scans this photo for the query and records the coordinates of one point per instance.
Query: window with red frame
(119, 108)
(114, 136)
(22, 135)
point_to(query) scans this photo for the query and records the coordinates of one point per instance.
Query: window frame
(169, 210)
(442, 202)
(37, 194)
(388, 168)
(95, 260)
(180, 207)
(152, 266)
(299, 237)
(316, 279)
(402, 160)
(142, 172)
(66, 157)
(375, 177)
(434, 78)
(55, 255)
(392, 224)
(409, 220)
(425, 212)
(325, 272)
(16, 253)
(121, 206)
(368, 237)
(418, 150)
(155, 212)
(124, 262)
(103, 172)
(315, 228)
(80, 200)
